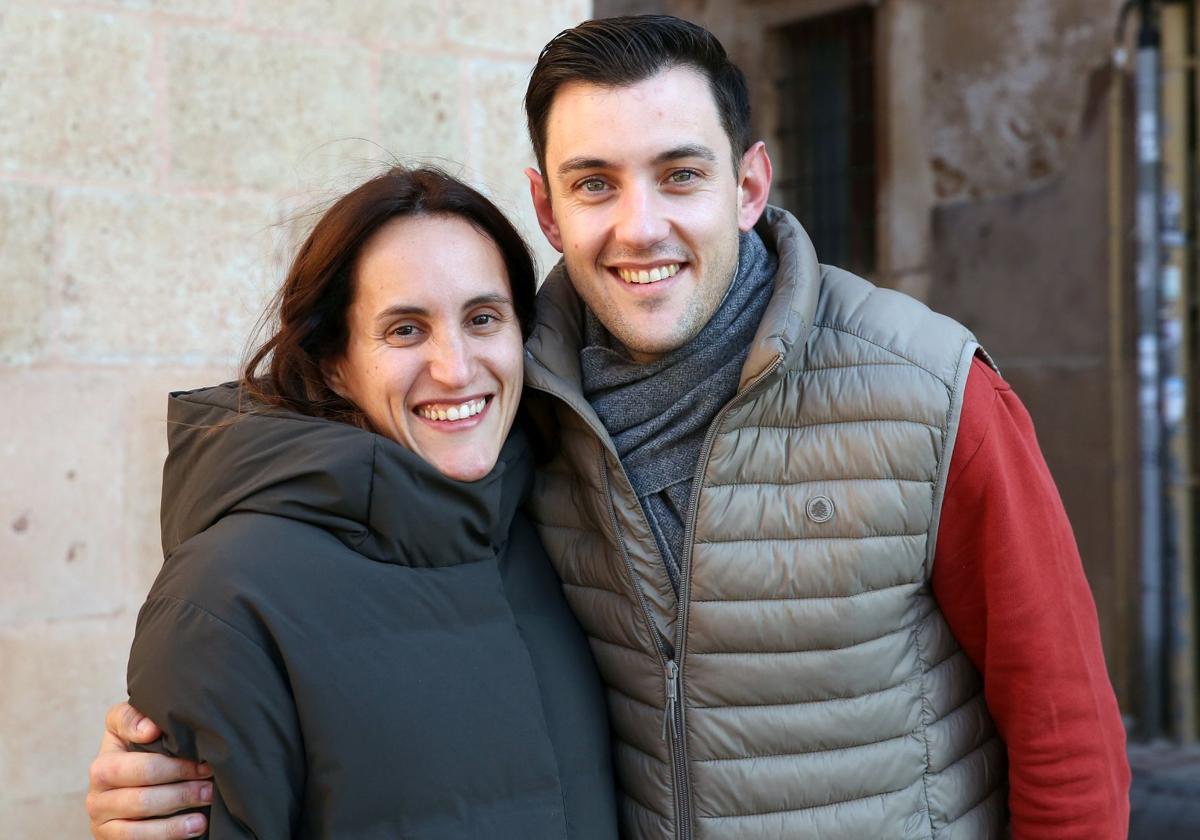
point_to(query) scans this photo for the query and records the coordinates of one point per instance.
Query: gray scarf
(658, 413)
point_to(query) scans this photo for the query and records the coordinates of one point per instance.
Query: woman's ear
(331, 371)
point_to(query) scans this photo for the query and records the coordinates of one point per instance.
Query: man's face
(645, 204)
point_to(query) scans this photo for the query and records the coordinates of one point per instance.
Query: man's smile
(651, 275)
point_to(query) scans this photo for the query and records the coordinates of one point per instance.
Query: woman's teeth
(662, 272)
(452, 412)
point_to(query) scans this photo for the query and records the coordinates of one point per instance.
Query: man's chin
(649, 340)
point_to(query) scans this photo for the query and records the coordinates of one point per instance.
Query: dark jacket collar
(370, 493)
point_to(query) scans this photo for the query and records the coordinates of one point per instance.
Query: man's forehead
(675, 108)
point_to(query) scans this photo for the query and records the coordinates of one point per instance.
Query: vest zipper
(675, 668)
(673, 665)
(671, 712)
(671, 691)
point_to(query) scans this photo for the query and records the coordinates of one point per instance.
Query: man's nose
(451, 362)
(641, 219)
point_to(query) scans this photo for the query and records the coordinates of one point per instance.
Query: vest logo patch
(819, 509)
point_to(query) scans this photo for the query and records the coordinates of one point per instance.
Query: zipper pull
(672, 691)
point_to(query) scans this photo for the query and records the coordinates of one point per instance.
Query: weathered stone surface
(186, 9)
(61, 494)
(1007, 86)
(422, 108)
(500, 149)
(1012, 268)
(25, 240)
(522, 26)
(248, 111)
(76, 95)
(413, 21)
(51, 816)
(66, 674)
(161, 279)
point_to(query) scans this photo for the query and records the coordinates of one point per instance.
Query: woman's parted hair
(310, 308)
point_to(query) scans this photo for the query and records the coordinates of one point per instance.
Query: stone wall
(151, 152)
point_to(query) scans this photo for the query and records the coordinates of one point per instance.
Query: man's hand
(127, 787)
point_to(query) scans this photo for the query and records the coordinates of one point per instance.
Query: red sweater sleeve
(1008, 578)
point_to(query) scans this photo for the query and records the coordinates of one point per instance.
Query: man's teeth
(452, 412)
(662, 272)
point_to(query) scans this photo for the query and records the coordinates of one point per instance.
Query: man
(826, 575)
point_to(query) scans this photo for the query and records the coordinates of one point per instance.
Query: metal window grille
(826, 123)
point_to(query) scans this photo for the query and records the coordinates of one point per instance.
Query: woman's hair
(310, 309)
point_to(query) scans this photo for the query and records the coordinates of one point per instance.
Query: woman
(355, 626)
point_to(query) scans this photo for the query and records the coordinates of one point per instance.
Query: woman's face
(434, 353)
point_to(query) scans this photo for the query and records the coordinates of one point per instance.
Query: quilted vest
(804, 684)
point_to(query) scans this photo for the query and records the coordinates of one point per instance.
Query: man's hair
(621, 51)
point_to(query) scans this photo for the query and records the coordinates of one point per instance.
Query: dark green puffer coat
(360, 646)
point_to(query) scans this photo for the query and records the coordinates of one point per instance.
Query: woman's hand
(127, 787)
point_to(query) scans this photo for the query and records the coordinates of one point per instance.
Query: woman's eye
(482, 320)
(404, 331)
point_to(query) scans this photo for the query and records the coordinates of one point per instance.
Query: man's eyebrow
(690, 150)
(577, 163)
(403, 310)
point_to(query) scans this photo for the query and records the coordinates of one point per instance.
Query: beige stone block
(76, 94)
(61, 495)
(190, 9)
(162, 279)
(422, 108)
(63, 816)
(500, 150)
(60, 678)
(265, 113)
(25, 241)
(368, 20)
(522, 26)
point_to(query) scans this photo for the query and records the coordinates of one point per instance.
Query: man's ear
(541, 205)
(754, 185)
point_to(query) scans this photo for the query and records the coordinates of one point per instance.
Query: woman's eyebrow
(405, 310)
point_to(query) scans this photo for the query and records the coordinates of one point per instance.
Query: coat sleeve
(1008, 577)
(220, 697)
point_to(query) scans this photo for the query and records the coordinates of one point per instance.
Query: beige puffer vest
(804, 684)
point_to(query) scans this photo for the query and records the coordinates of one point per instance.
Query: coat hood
(375, 496)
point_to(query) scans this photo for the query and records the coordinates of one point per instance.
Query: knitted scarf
(658, 413)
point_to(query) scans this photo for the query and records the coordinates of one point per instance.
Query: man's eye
(683, 176)
(593, 185)
(404, 331)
